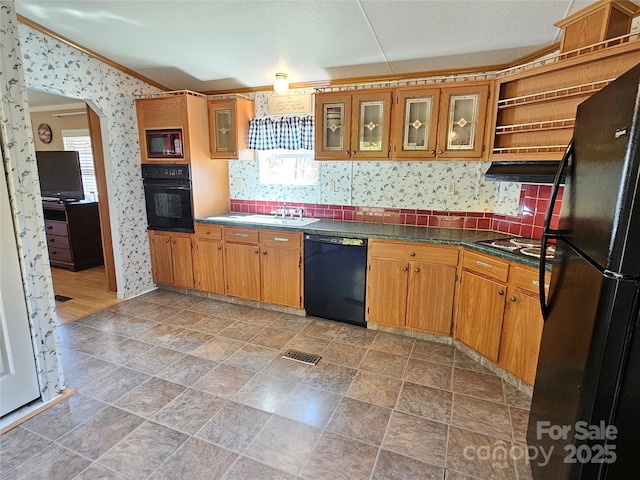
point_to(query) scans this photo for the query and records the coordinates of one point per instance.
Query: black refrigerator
(585, 411)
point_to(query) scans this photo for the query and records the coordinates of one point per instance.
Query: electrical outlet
(451, 188)
(332, 186)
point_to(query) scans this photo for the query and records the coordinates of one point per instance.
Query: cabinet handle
(432, 152)
(483, 264)
(353, 152)
(412, 254)
(49, 227)
(405, 269)
(208, 232)
(500, 292)
(280, 239)
(219, 247)
(417, 270)
(256, 252)
(513, 299)
(264, 253)
(235, 153)
(243, 235)
(173, 241)
(166, 240)
(347, 152)
(440, 152)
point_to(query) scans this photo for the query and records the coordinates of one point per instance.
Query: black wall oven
(167, 191)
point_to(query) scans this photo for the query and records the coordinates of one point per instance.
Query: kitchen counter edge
(407, 233)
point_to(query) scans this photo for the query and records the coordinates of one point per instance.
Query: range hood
(543, 171)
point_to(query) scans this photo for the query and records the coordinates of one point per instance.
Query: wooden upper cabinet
(440, 123)
(461, 124)
(415, 123)
(173, 127)
(352, 126)
(229, 129)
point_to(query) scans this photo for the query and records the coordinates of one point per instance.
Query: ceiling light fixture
(281, 84)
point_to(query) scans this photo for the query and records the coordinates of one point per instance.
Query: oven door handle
(177, 188)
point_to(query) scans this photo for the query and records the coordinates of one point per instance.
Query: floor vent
(62, 298)
(302, 357)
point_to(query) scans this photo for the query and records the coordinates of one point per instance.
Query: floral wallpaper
(55, 67)
(18, 153)
(420, 185)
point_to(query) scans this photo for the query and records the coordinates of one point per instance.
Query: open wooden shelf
(572, 91)
(536, 126)
(531, 149)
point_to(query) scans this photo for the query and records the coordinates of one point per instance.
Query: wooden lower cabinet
(521, 335)
(242, 270)
(480, 312)
(280, 276)
(387, 284)
(499, 313)
(264, 265)
(411, 285)
(172, 258)
(209, 259)
(523, 323)
(432, 291)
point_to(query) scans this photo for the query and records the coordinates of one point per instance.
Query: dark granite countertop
(407, 233)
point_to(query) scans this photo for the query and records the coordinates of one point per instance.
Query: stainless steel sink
(265, 220)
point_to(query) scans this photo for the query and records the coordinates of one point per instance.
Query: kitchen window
(287, 167)
(80, 141)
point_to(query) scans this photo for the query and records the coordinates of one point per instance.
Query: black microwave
(164, 143)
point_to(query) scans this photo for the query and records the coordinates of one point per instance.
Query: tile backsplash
(527, 222)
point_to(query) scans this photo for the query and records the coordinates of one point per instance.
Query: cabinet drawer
(280, 239)
(57, 241)
(60, 254)
(56, 228)
(414, 252)
(527, 279)
(489, 267)
(206, 231)
(240, 235)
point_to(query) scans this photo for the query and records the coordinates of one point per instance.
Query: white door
(18, 378)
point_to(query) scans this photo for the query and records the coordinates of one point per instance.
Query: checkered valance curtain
(291, 133)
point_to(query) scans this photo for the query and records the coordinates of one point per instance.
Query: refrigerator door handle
(547, 232)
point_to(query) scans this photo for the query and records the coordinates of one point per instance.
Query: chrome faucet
(284, 210)
(298, 211)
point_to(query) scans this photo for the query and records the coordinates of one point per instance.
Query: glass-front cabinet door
(370, 128)
(462, 119)
(415, 123)
(222, 129)
(333, 124)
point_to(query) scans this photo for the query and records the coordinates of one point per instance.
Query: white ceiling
(224, 45)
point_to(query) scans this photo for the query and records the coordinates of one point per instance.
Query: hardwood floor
(87, 289)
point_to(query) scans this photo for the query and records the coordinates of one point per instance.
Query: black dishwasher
(334, 277)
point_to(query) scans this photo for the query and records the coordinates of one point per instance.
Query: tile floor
(174, 386)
